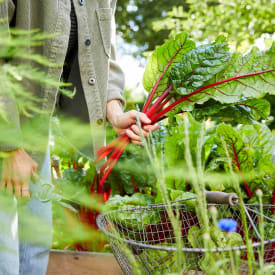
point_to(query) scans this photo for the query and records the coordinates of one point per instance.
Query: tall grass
(222, 262)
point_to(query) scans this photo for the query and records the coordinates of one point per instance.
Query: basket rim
(176, 203)
(102, 228)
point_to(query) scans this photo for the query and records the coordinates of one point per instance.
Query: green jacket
(102, 79)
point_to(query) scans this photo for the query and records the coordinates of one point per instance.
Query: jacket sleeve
(10, 132)
(116, 76)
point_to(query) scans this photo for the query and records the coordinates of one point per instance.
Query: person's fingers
(9, 187)
(3, 182)
(136, 130)
(151, 128)
(133, 114)
(136, 142)
(25, 189)
(144, 119)
(17, 189)
(132, 135)
(4, 176)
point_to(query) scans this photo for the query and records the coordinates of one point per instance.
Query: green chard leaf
(250, 149)
(211, 72)
(255, 86)
(244, 112)
(174, 142)
(239, 152)
(162, 60)
(130, 218)
(241, 155)
(199, 66)
(260, 138)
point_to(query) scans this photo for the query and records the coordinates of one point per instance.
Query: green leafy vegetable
(132, 219)
(162, 60)
(184, 77)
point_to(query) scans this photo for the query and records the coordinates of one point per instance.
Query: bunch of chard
(181, 77)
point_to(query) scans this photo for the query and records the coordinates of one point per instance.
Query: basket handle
(221, 198)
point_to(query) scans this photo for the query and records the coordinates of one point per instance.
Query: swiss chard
(181, 77)
(130, 218)
(243, 112)
(250, 149)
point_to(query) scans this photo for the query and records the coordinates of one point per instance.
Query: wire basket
(148, 233)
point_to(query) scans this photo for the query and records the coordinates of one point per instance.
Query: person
(85, 43)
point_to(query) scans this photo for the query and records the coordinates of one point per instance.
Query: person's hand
(17, 170)
(127, 122)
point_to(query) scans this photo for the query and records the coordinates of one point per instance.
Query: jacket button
(91, 81)
(99, 121)
(81, 2)
(88, 42)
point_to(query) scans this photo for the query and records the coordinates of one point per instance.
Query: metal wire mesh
(148, 234)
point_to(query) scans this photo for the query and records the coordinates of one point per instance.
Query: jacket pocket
(104, 17)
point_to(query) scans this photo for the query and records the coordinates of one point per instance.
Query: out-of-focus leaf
(244, 112)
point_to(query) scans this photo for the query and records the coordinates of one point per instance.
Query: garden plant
(214, 110)
(215, 136)
(215, 101)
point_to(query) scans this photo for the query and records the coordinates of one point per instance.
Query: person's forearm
(113, 110)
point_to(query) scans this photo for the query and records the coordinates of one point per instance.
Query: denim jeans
(25, 232)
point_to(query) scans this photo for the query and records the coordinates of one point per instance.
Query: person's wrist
(114, 111)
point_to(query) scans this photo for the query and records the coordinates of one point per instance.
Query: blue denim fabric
(25, 232)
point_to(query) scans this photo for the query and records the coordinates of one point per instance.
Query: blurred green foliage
(20, 68)
(134, 19)
(243, 20)
(148, 23)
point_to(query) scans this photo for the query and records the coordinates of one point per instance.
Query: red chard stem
(148, 101)
(167, 109)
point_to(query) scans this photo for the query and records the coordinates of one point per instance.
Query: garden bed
(76, 263)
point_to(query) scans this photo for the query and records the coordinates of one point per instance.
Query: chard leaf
(162, 60)
(240, 154)
(260, 138)
(215, 164)
(250, 148)
(174, 142)
(244, 112)
(199, 66)
(260, 108)
(255, 86)
(240, 78)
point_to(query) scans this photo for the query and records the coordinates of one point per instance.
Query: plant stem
(154, 107)
(114, 153)
(149, 99)
(250, 254)
(159, 107)
(273, 201)
(108, 148)
(167, 109)
(202, 213)
(119, 152)
(261, 227)
(240, 171)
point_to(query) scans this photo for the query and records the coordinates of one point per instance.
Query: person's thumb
(144, 119)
